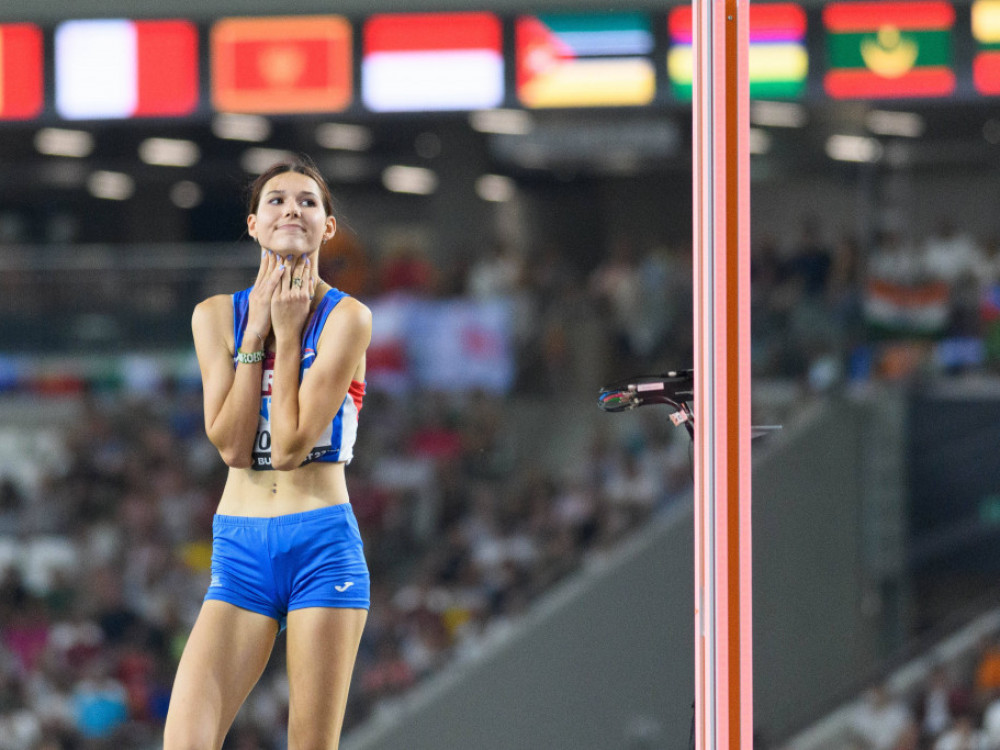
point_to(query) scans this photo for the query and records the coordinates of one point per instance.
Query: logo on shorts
(216, 581)
(343, 587)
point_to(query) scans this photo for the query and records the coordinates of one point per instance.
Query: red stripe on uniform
(356, 390)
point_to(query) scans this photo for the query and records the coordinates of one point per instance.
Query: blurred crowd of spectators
(900, 305)
(628, 313)
(956, 707)
(826, 307)
(105, 559)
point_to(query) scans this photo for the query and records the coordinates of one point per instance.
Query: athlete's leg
(322, 646)
(223, 659)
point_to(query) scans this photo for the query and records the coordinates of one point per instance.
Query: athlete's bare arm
(232, 397)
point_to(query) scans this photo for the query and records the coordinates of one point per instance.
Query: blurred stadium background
(514, 194)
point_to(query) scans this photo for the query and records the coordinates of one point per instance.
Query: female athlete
(283, 367)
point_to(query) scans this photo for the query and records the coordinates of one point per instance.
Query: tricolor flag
(894, 309)
(282, 65)
(121, 68)
(881, 50)
(778, 64)
(432, 61)
(585, 60)
(986, 31)
(20, 71)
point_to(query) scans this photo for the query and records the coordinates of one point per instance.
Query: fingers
(302, 272)
(297, 279)
(290, 301)
(267, 264)
(267, 260)
(282, 274)
(260, 297)
(262, 269)
(273, 275)
(311, 280)
(274, 268)
(286, 272)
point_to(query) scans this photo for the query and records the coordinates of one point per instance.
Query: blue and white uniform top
(337, 441)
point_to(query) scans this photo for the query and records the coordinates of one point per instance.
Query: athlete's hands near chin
(259, 311)
(290, 303)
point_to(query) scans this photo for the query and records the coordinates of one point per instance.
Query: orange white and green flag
(986, 32)
(885, 50)
(778, 60)
(21, 89)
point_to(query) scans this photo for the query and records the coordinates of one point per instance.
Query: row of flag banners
(455, 61)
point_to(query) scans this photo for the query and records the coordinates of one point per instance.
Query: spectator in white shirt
(963, 736)
(950, 255)
(881, 721)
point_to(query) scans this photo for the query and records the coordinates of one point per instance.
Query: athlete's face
(290, 218)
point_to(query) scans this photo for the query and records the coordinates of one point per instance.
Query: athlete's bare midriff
(278, 493)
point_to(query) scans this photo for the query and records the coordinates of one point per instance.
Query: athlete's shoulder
(355, 305)
(353, 311)
(216, 309)
(348, 317)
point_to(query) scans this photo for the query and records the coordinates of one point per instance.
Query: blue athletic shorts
(274, 565)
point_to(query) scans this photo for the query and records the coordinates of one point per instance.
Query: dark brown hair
(302, 165)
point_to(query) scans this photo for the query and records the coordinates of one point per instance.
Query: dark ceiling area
(530, 148)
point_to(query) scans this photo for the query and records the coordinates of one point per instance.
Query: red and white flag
(432, 61)
(120, 68)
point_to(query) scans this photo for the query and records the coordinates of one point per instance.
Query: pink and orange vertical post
(721, 180)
